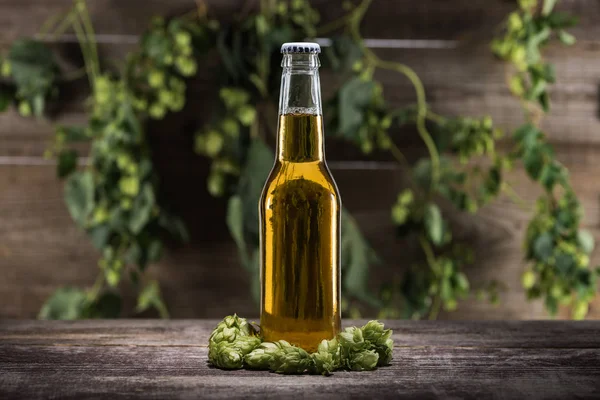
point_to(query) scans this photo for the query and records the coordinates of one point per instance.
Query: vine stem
(55, 22)
(87, 58)
(514, 196)
(162, 309)
(355, 18)
(333, 25)
(435, 308)
(61, 27)
(91, 36)
(430, 257)
(421, 113)
(93, 292)
(397, 154)
(438, 119)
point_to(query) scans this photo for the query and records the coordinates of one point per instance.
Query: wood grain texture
(168, 359)
(41, 249)
(464, 80)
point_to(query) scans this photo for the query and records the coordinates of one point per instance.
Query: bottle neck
(300, 132)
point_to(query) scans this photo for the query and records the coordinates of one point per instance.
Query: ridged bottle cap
(300, 47)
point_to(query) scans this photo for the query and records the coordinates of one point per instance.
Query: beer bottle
(300, 215)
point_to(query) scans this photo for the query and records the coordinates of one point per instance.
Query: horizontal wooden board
(457, 82)
(406, 333)
(134, 372)
(41, 249)
(406, 19)
(168, 359)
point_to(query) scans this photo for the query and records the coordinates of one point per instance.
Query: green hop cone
(157, 111)
(246, 344)
(262, 356)
(25, 108)
(290, 359)
(230, 328)
(379, 339)
(351, 339)
(230, 341)
(183, 39)
(365, 360)
(225, 355)
(327, 358)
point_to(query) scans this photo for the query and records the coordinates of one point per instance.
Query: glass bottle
(300, 215)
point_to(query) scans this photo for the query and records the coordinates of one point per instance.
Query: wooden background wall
(41, 249)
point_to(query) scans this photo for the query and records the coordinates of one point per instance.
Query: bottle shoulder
(301, 180)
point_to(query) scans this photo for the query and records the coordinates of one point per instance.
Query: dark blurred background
(445, 41)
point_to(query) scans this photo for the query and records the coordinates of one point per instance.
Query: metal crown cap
(300, 47)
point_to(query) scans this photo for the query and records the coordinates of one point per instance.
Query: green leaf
(434, 224)
(544, 100)
(586, 241)
(67, 163)
(565, 263)
(135, 255)
(99, 236)
(357, 256)
(353, 97)
(174, 225)
(551, 174)
(528, 135)
(254, 270)
(73, 134)
(235, 223)
(34, 71)
(548, 6)
(233, 97)
(156, 44)
(551, 305)
(154, 251)
(538, 88)
(493, 181)
(543, 246)
(540, 37)
(422, 173)
(259, 162)
(558, 20)
(66, 303)
(142, 209)
(150, 297)
(79, 196)
(246, 115)
(566, 37)
(6, 97)
(533, 160)
(229, 60)
(342, 55)
(259, 84)
(108, 305)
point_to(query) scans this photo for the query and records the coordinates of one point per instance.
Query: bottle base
(304, 333)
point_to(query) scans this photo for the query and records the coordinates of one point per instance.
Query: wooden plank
(462, 81)
(195, 333)
(41, 249)
(426, 19)
(431, 360)
(135, 372)
(471, 82)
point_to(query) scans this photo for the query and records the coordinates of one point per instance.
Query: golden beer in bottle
(300, 215)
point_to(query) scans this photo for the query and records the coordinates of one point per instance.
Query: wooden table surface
(168, 359)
